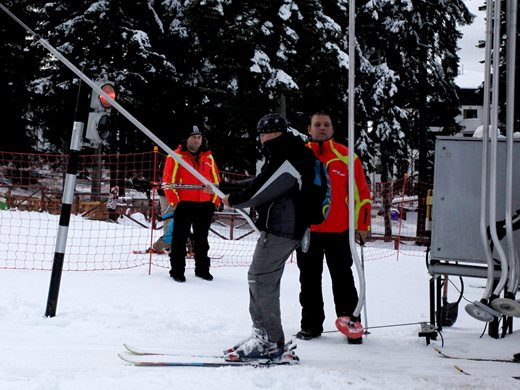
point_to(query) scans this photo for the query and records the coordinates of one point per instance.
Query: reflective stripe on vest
(215, 176)
(345, 159)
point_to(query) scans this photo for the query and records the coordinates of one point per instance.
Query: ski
(461, 370)
(445, 355)
(148, 251)
(139, 352)
(151, 362)
(154, 252)
(464, 372)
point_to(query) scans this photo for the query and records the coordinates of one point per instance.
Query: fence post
(153, 218)
(401, 213)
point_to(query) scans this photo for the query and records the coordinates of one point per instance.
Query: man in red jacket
(330, 238)
(193, 207)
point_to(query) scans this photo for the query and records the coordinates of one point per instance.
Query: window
(470, 113)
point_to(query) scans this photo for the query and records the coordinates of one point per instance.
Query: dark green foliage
(18, 65)
(222, 64)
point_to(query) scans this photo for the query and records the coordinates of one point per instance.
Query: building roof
(469, 79)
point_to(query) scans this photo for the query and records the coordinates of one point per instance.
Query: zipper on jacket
(267, 217)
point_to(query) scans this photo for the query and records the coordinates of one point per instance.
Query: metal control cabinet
(457, 196)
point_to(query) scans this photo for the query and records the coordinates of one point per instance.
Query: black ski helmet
(272, 123)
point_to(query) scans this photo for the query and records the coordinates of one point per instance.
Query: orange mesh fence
(30, 201)
(399, 218)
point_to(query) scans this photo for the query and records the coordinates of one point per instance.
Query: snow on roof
(469, 79)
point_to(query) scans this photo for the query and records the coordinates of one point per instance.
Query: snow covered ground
(99, 311)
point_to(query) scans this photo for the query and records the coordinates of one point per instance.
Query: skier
(277, 196)
(163, 243)
(166, 238)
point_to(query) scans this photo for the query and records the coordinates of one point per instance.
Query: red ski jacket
(335, 157)
(176, 173)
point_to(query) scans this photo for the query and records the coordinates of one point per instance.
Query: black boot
(203, 274)
(178, 276)
(305, 334)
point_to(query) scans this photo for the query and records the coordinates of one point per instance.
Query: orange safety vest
(176, 173)
(335, 157)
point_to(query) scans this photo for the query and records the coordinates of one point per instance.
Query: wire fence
(30, 203)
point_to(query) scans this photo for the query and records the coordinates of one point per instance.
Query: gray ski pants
(264, 277)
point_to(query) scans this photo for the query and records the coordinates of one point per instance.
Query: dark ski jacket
(276, 193)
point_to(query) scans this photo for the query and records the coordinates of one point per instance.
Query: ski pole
(178, 186)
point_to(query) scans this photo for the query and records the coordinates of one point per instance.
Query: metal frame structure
(503, 277)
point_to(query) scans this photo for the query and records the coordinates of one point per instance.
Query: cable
(484, 330)
(461, 290)
(442, 338)
(382, 326)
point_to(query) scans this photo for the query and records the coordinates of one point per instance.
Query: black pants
(336, 248)
(188, 215)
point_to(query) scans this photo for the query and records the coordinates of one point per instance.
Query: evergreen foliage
(18, 65)
(222, 64)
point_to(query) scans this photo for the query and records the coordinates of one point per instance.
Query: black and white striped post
(69, 185)
(66, 206)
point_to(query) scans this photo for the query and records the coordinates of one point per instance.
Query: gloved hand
(361, 237)
(208, 189)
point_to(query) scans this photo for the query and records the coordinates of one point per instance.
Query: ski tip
(128, 348)
(461, 370)
(122, 357)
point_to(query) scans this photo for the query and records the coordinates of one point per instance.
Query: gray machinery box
(457, 195)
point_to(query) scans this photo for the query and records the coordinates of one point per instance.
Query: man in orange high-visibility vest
(330, 238)
(194, 208)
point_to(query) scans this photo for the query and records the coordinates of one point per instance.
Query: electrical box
(457, 195)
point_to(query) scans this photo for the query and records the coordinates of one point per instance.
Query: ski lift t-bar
(351, 113)
(123, 111)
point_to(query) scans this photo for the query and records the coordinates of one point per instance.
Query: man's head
(194, 140)
(320, 128)
(271, 126)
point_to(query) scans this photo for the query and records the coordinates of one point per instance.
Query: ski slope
(99, 311)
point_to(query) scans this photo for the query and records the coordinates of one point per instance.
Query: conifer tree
(113, 40)
(19, 58)
(222, 64)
